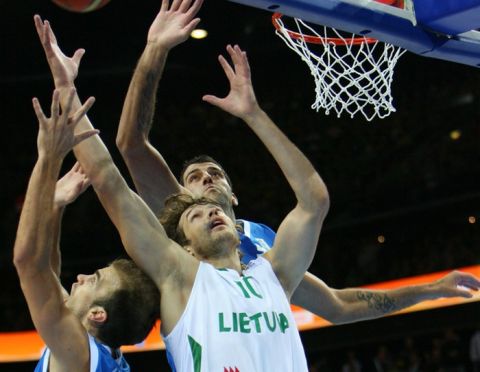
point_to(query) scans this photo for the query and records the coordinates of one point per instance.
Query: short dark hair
(203, 159)
(131, 310)
(174, 207)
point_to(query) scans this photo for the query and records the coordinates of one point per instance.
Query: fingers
(240, 60)
(84, 135)
(47, 35)
(81, 171)
(175, 5)
(82, 111)
(240, 63)
(235, 54)
(462, 293)
(55, 107)
(76, 168)
(39, 26)
(184, 5)
(50, 36)
(191, 26)
(244, 65)
(229, 72)
(164, 6)
(194, 8)
(468, 281)
(68, 107)
(86, 182)
(77, 56)
(213, 100)
(39, 112)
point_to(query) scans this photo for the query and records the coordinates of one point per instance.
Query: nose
(81, 278)
(207, 178)
(213, 211)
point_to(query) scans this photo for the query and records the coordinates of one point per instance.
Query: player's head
(118, 304)
(200, 225)
(203, 176)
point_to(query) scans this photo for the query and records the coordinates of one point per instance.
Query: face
(208, 180)
(210, 231)
(88, 288)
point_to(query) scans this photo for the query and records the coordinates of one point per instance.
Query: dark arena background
(412, 178)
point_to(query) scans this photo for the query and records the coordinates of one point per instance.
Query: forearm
(152, 177)
(309, 188)
(363, 304)
(56, 257)
(92, 153)
(139, 106)
(33, 244)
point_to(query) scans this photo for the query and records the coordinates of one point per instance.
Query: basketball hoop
(352, 73)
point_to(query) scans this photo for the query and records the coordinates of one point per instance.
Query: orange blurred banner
(27, 346)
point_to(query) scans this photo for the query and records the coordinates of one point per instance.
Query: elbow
(319, 198)
(123, 143)
(19, 261)
(322, 200)
(129, 143)
(22, 261)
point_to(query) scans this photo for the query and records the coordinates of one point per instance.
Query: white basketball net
(348, 77)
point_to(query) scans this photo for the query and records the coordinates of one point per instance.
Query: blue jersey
(255, 239)
(101, 359)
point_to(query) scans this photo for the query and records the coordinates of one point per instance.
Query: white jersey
(236, 323)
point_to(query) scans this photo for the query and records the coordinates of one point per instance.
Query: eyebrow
(189, 212)
(189, 173)
(216, 169)
(209, 169)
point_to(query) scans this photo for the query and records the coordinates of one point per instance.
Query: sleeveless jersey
(236, 323)
(255, 239)
(101, 359)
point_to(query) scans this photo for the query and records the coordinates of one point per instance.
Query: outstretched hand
(457, 284)
(56, 135)
(64, 69)
(174, 23)
(70, 186)
(241, 100)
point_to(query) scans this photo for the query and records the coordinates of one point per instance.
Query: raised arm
(153, 178)
(142, 235)
(355, 304)
(67, 190)
(35, 241)
(297, 236)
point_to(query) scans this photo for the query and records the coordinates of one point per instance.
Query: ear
(97, 316)
(234, 200)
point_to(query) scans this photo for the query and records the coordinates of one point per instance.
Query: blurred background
(404, 190)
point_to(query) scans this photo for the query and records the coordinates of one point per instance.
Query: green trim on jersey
(196, 350)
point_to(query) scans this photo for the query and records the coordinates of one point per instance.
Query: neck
(228, 210)
(230, 262)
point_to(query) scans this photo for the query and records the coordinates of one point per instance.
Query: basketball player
(114, 306)
(173, 270)
(203, 176)
(214, 312)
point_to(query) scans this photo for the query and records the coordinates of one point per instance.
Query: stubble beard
(219, 245)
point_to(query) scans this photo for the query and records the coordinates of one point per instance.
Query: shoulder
(105, 359)
(250, 227)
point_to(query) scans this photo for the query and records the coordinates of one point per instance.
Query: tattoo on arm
(148, 99)
(382, 303)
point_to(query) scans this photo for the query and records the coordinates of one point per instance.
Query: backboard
(438, 29)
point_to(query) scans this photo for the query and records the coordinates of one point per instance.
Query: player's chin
(212, 193)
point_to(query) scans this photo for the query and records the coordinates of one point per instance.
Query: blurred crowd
(447, 351)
